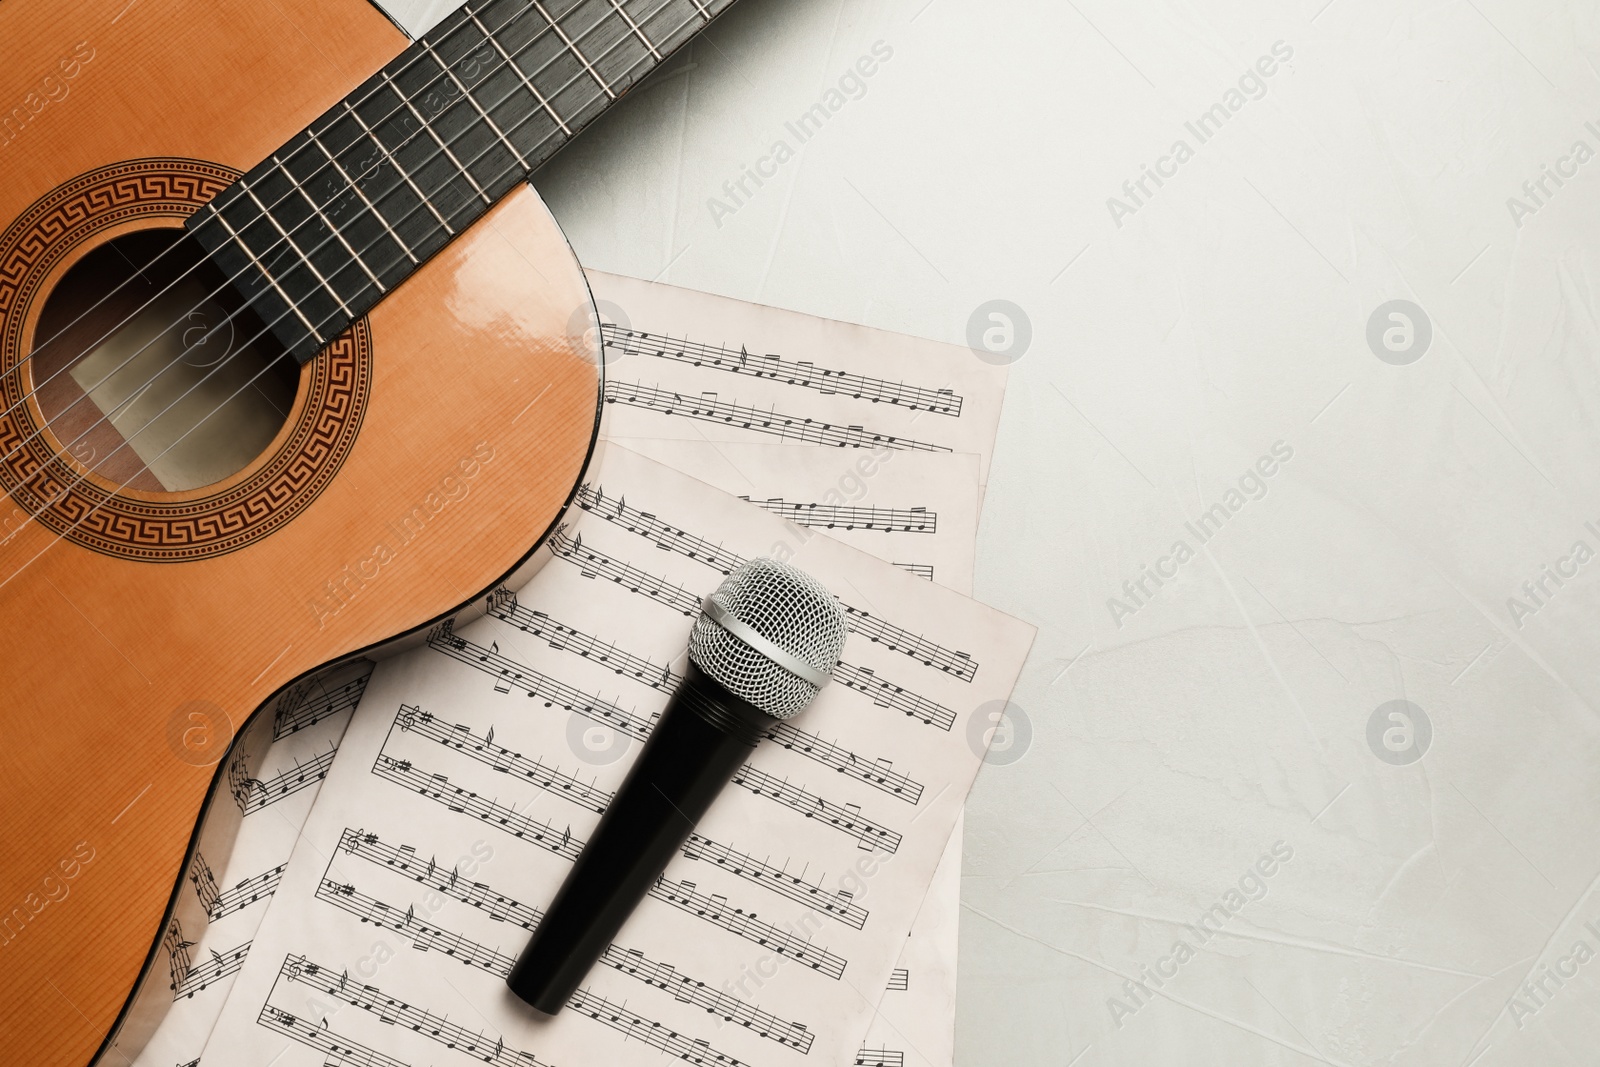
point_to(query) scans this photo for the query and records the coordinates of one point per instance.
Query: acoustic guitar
(292, 361)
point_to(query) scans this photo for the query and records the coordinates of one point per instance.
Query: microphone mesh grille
(788, 607)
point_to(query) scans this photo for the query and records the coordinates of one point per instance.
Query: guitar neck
(318, 232)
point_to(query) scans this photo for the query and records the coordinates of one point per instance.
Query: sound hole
(151, 374)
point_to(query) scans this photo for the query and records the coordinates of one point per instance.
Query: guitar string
(445, 73)
(298, 187)
(293, 307)
(82, 477)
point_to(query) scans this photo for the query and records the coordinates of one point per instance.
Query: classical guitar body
(419, 454)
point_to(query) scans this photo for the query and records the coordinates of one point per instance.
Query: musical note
(707, 408)
(880, 1057)
(921, 570)
(803, 373)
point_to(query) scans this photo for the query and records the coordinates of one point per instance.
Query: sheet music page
(919, 511)
(289, 748)
(695, 366)
(465, 793)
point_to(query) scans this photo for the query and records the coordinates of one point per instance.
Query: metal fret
(293, 305)
(327, 222)
(398, 169)
(518, 71)
(477, 107)
(436, 139)
(636, 31)
(353, 187)
(574, 50)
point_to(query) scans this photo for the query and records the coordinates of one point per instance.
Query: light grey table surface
(1206, 213)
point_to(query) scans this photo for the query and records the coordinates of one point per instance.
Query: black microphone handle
(701, 739)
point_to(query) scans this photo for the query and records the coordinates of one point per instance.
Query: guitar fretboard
(321, 230)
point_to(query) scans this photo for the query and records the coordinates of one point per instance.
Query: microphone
(763, 645)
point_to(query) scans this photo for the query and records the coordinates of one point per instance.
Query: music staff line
(369, 998)
(879, 774)
(220, 902)
(803, 373)
(253, 794)
(315, 1036)
(677, 540)
(849, 517)
(502, 908)
(846, 818)
(794, 887)
(509, 674)
(303, 710)
(438, 788)
(188, 977)
(503, 605)
(550, 778)
(426, 937)
(707, 407)
(598, 565)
